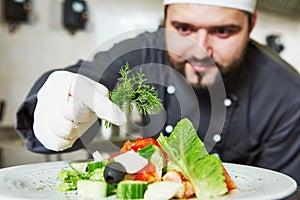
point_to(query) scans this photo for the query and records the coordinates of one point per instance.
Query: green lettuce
(80, 171)
(189, 154)
(69, 180)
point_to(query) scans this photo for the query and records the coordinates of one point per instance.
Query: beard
(232, 67)
(207, 78)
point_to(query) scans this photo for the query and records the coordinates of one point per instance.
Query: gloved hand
(67, 105)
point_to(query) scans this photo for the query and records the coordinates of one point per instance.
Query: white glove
(67, 105)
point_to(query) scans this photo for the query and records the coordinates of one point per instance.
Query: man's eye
(183, 29)
(223, 32)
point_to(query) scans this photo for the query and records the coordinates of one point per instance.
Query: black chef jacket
(261, 103)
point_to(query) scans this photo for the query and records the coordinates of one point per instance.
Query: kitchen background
(29, 49)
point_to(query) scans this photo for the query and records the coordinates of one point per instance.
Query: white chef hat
(246, 5)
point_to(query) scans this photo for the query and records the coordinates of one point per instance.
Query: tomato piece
(229, 182)
(148, 174)
(138, 144)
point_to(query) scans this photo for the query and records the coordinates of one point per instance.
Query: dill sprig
(132, 90)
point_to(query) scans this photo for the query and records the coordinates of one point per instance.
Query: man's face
(205, 35)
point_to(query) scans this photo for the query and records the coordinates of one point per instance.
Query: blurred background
(52, 34)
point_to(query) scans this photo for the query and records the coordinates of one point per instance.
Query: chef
(243, 100)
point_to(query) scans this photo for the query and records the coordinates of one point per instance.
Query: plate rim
(230, 166)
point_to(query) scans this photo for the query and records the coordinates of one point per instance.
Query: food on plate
(175, 166)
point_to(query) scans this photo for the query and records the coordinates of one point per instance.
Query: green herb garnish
(132, 90)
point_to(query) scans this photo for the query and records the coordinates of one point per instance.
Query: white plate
(38, 181)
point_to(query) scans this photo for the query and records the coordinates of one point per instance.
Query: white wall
(44, 44)
(289, 30)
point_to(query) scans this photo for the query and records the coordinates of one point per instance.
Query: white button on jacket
(227, 102)
(171, 89)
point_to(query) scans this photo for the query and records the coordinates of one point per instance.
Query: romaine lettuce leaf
(188, 152)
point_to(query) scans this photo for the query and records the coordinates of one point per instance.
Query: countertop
(296, 195)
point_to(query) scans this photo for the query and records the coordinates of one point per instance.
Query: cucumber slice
(79, 167)
(97, 175)
(129, 189)
(92, 189)
(91, 166)
(84, 167)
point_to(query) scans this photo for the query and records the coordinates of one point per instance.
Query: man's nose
(203, 39)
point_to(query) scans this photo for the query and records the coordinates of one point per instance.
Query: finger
(95, 96)
(58, 92)
(53, 105)
(81, 95)
(45, 135)
(68, 128)
(108, 111)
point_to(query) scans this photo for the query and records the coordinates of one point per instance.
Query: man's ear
(253, 21)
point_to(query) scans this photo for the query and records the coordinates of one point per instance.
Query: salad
(177, 166)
